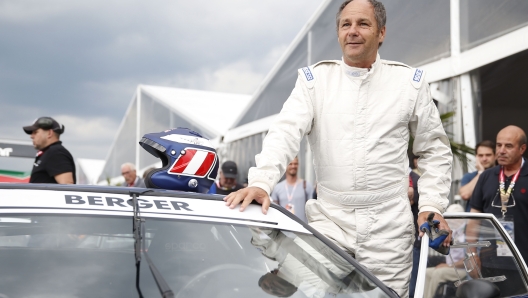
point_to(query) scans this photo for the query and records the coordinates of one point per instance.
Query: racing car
(74, 241)
(173, 240)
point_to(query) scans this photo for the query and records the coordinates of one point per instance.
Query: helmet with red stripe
(189, 162)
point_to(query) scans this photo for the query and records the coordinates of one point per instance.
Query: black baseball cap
(44, 123)
(229, 168)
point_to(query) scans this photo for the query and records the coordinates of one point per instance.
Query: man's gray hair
(379, 13)
(130, 165)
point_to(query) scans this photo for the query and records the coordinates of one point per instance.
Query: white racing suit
(358, 124)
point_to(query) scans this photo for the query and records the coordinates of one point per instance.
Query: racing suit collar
(359, 73)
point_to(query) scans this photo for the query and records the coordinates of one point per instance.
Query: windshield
(93, 256)
(479, 251)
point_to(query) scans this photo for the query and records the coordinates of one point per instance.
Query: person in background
(410, 191)
(147, 171)
(508, 180)
(415, 165)
(128, 170)
(227, 181)
(417, 243)
(293, 192)
(485, 159)
(53, 163)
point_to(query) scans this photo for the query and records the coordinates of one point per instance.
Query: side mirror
(478, 288)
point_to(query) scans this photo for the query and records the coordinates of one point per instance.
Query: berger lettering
(139, 201)
(180, 205)
(70, 199)
(118, 202)
(162, 205)
(92, 200)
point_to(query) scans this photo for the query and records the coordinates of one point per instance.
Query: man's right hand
(246, 195)
(479, 166)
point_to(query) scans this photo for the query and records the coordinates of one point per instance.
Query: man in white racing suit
(359, 114)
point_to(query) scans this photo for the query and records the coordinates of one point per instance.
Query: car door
(483, 249)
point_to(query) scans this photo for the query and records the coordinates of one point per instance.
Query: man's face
(358, 34)
(128, 174)
(486, 157)
(509, 152)
(293, 167)
(40, 138)
(227, 182)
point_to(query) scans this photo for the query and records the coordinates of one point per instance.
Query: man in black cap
(227, 182)
(53, 163)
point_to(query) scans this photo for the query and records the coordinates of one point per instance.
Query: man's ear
(382, 34)
(523, 148)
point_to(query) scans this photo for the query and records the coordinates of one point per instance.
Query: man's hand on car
(246, 195)
(422, 218)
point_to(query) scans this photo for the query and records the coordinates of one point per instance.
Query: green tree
(459, 150)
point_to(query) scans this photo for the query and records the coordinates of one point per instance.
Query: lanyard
(290, 196)
(505, 194)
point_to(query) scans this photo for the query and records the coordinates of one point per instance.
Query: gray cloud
(80, 61)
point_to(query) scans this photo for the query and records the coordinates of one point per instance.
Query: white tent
(88, 170)
(154, 109)
(474, 51)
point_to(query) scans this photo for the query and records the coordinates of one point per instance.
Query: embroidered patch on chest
(307, 73)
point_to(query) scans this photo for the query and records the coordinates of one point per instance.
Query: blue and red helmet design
(189, 162)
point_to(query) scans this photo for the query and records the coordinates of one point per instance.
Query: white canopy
(88, 170)
(154, 109)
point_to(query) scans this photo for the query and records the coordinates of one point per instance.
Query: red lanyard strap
(505, 194)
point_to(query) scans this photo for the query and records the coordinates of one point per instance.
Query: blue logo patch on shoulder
(308, 73)
(417, 75)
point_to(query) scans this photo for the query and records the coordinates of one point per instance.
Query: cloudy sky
(80, 61)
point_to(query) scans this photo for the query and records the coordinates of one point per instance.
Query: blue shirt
(465, 180)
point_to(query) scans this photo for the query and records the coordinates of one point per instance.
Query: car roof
(153, 203)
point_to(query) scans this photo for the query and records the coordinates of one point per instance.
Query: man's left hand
(422, 218)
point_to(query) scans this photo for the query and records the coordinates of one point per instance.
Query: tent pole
(455, 27)
(467, 110)
(138, 124)
(454, 33)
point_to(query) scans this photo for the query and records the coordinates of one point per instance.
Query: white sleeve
(282, 142)
(432, 145)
